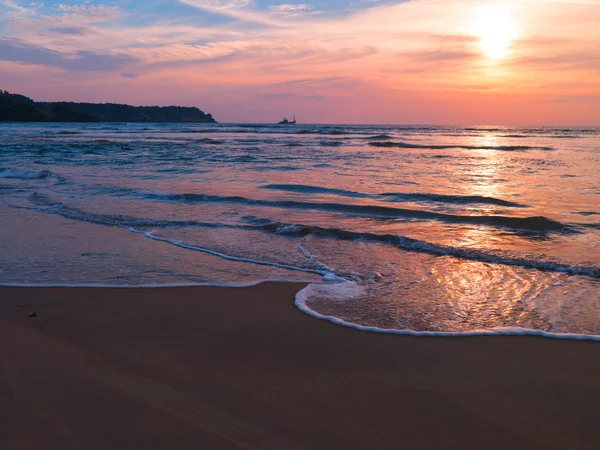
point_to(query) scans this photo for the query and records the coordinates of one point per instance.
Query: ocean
(402, 229)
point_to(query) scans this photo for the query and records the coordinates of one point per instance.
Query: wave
(416, 245)
(538, 224)
(482, 129)
(395, 196)
(549, 136)
(380, 137)
(210, 141)
(455, 199)
(389, 144)
(251, 129)
(266, 129)
(275, 168)
(200, 131)
(349, 290)
(331, 143)
(111, 220)
(208, 251)
(307, 189)
(532, 261)
(28, 175)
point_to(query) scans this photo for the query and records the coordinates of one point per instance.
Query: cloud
(223, 4)
(9, 4)
(374, 54)
(85, 14)
(235, 9)
(21, 51)
(73, 31)
(17, 10)
(67, 21)
(324, 82)
(276, 96)
(288, 10)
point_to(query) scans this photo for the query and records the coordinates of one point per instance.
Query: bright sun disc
(495, 29)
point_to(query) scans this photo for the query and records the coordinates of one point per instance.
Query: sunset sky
(335, 61)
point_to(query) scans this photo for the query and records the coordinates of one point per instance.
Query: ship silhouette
(287, 122)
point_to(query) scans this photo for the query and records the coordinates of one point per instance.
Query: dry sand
(216, 368)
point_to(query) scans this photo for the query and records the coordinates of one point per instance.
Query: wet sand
(223, 368)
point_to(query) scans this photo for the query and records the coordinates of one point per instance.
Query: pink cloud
(414, 62)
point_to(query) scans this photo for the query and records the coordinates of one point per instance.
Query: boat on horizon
(287, 122)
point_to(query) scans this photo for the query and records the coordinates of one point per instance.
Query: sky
(529, 62)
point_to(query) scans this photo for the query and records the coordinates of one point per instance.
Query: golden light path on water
(485, 180)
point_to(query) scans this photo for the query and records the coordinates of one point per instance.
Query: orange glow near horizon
(526, 62)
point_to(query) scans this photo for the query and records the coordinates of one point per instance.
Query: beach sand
(242, 368)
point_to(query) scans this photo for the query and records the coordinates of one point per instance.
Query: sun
(495, 29)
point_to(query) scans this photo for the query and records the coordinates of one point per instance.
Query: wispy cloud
(23, 52)
(16, 9)
(236, 9)
(11, 5)
(374, 55)
(73, 30)
(85, 14)
(296, 10)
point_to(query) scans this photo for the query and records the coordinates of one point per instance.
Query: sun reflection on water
(485, 181)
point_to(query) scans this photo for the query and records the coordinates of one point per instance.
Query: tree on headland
(18, 108)
(62, 113)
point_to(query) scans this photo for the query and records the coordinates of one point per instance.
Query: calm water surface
(434, 229)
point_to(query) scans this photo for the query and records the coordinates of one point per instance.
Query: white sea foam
(331, 275)
(314, 260)
(333, 278)
(349, 290)
(334, 291)
(288, 229)
(228, 257)
(24, 175)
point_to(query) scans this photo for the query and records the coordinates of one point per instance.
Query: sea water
(420, 229)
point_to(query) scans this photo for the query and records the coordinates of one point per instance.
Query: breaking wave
(526, 260)
(537, 223)
(347, 290)
(389, 144)
(28, 175)
(395, 196)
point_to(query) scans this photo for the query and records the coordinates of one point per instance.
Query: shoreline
(300, 304)
(222, 368)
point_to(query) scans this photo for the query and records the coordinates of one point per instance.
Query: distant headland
(18, 108)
